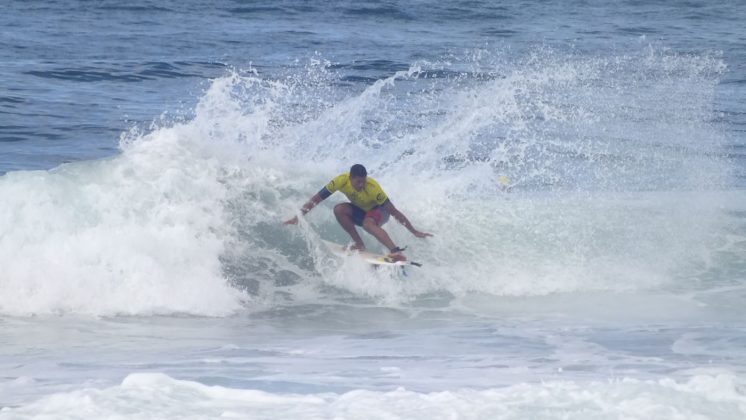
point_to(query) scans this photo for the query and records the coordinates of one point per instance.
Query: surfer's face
(358, 182)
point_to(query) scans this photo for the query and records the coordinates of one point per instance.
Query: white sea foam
(147, 396)
(186, 218)
(136, 234)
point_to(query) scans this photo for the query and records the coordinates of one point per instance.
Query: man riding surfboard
(369, 207)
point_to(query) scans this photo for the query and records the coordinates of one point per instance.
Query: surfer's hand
(293, 221)
(419, 234)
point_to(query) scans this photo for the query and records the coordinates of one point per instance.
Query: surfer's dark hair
(357, 170)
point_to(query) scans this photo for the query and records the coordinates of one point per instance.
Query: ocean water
(581, 165)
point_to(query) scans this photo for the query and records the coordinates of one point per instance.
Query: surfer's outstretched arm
(401, 218)
(310, 204)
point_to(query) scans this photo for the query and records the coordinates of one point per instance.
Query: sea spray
(606, 160)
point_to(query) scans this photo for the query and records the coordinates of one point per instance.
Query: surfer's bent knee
(342, 208)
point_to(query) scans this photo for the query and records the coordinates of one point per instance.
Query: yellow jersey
(370, 196)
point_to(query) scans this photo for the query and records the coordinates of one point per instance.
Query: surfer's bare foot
(397, 256)
(356, 247)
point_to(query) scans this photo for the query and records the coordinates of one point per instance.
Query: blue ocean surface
(581, 165)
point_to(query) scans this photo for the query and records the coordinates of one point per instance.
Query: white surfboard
(369, 257)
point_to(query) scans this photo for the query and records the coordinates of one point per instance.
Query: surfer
(369, 207)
